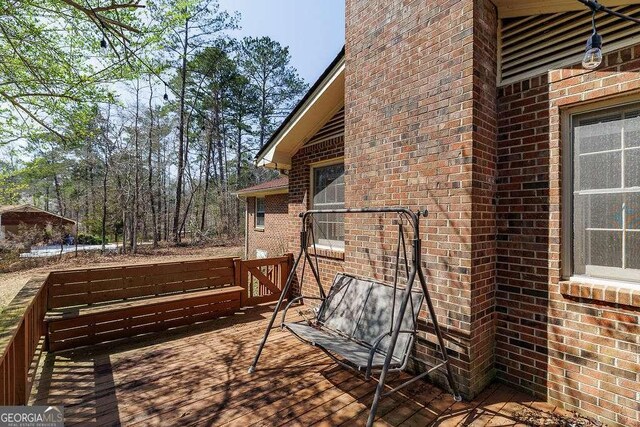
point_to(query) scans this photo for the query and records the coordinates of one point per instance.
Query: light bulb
(593, 54)
(592, 58)
(103, 43)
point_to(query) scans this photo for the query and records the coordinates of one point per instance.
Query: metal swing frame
(415, 269)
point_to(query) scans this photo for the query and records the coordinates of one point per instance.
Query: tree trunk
(263, 112)
(220, 157)
(104, 202)
(181, 135)
(207, 175)
(186, 213)
(238, 166)
(165, 196)
(124, 231)
(161, 190)
(56, 185)
(154, 220)
(136, 190)
(104, 180)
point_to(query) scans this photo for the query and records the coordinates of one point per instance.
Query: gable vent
(332, 129)
(535, 44)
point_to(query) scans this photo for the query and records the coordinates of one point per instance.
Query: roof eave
(322, 101)
(31, 208)
(266, 192)
(518, 8)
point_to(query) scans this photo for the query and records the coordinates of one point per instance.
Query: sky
(313, 29)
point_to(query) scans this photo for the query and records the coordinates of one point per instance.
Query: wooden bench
(97, 305)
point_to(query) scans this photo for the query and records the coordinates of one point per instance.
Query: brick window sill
(327, 253)
(260, 229)
(611, 293)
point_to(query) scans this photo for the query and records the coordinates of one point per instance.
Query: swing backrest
(344, 304)
(361, 309)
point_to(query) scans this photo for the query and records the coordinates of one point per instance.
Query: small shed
(13, 216)
(266, 218)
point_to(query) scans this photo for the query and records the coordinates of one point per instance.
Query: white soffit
(517, 8)
(533, 45)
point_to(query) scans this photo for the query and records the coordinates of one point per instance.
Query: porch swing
(362, 324)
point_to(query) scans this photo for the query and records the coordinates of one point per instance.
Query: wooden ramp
(198, 376)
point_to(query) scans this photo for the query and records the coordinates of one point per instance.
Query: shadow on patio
(198, 376)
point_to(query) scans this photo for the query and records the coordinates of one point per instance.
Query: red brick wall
(573, 343)
(425, 127)
(483, 216)
(300, 201)
(412, 129)
(276, 220)
(523, 234)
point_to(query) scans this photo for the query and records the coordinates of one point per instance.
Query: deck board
(198, 376)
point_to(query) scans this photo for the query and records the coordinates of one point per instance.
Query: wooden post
(44, 307)
(239, 281)
(21, 366)
(285, 270)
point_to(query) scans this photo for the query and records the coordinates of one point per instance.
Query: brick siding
(300, 200)
(523, 234)
(483, 217)
(276, 220)
(426, 127)
(415, 117)
(574, 344)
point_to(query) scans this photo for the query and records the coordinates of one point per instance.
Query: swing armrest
(375, 345)
(294, 300)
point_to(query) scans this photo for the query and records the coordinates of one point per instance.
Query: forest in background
(138, 120)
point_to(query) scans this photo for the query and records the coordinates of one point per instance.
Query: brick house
(14, 217)
(266, 213)
(481, 112)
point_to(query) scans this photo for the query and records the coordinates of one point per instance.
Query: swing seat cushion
(356, 353)
(355, 313)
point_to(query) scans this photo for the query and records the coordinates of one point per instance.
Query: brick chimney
(420, 131)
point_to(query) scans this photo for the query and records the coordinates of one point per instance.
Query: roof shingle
(281, 182)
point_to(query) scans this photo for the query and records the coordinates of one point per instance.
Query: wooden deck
(198, 376)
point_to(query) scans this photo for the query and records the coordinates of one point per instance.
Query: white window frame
(264, 213)
(599, 274)
(333, 245)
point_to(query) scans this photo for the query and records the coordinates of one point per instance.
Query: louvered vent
(534, 44)
(333, 128)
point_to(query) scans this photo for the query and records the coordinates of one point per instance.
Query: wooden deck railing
(92, 286)
(263, 279)
(23, 330)
(22, 341)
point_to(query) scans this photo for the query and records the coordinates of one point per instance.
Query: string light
(103, 42)
(165, 96)
(593, 52)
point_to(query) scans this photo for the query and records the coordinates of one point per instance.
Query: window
(606, 194)
(328, 193)
(259, 212)
(261, 254)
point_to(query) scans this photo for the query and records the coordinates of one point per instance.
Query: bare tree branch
(19, 106)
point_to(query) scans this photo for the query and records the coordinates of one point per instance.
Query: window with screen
(328, 193)
(606, 194)
(259, 212)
